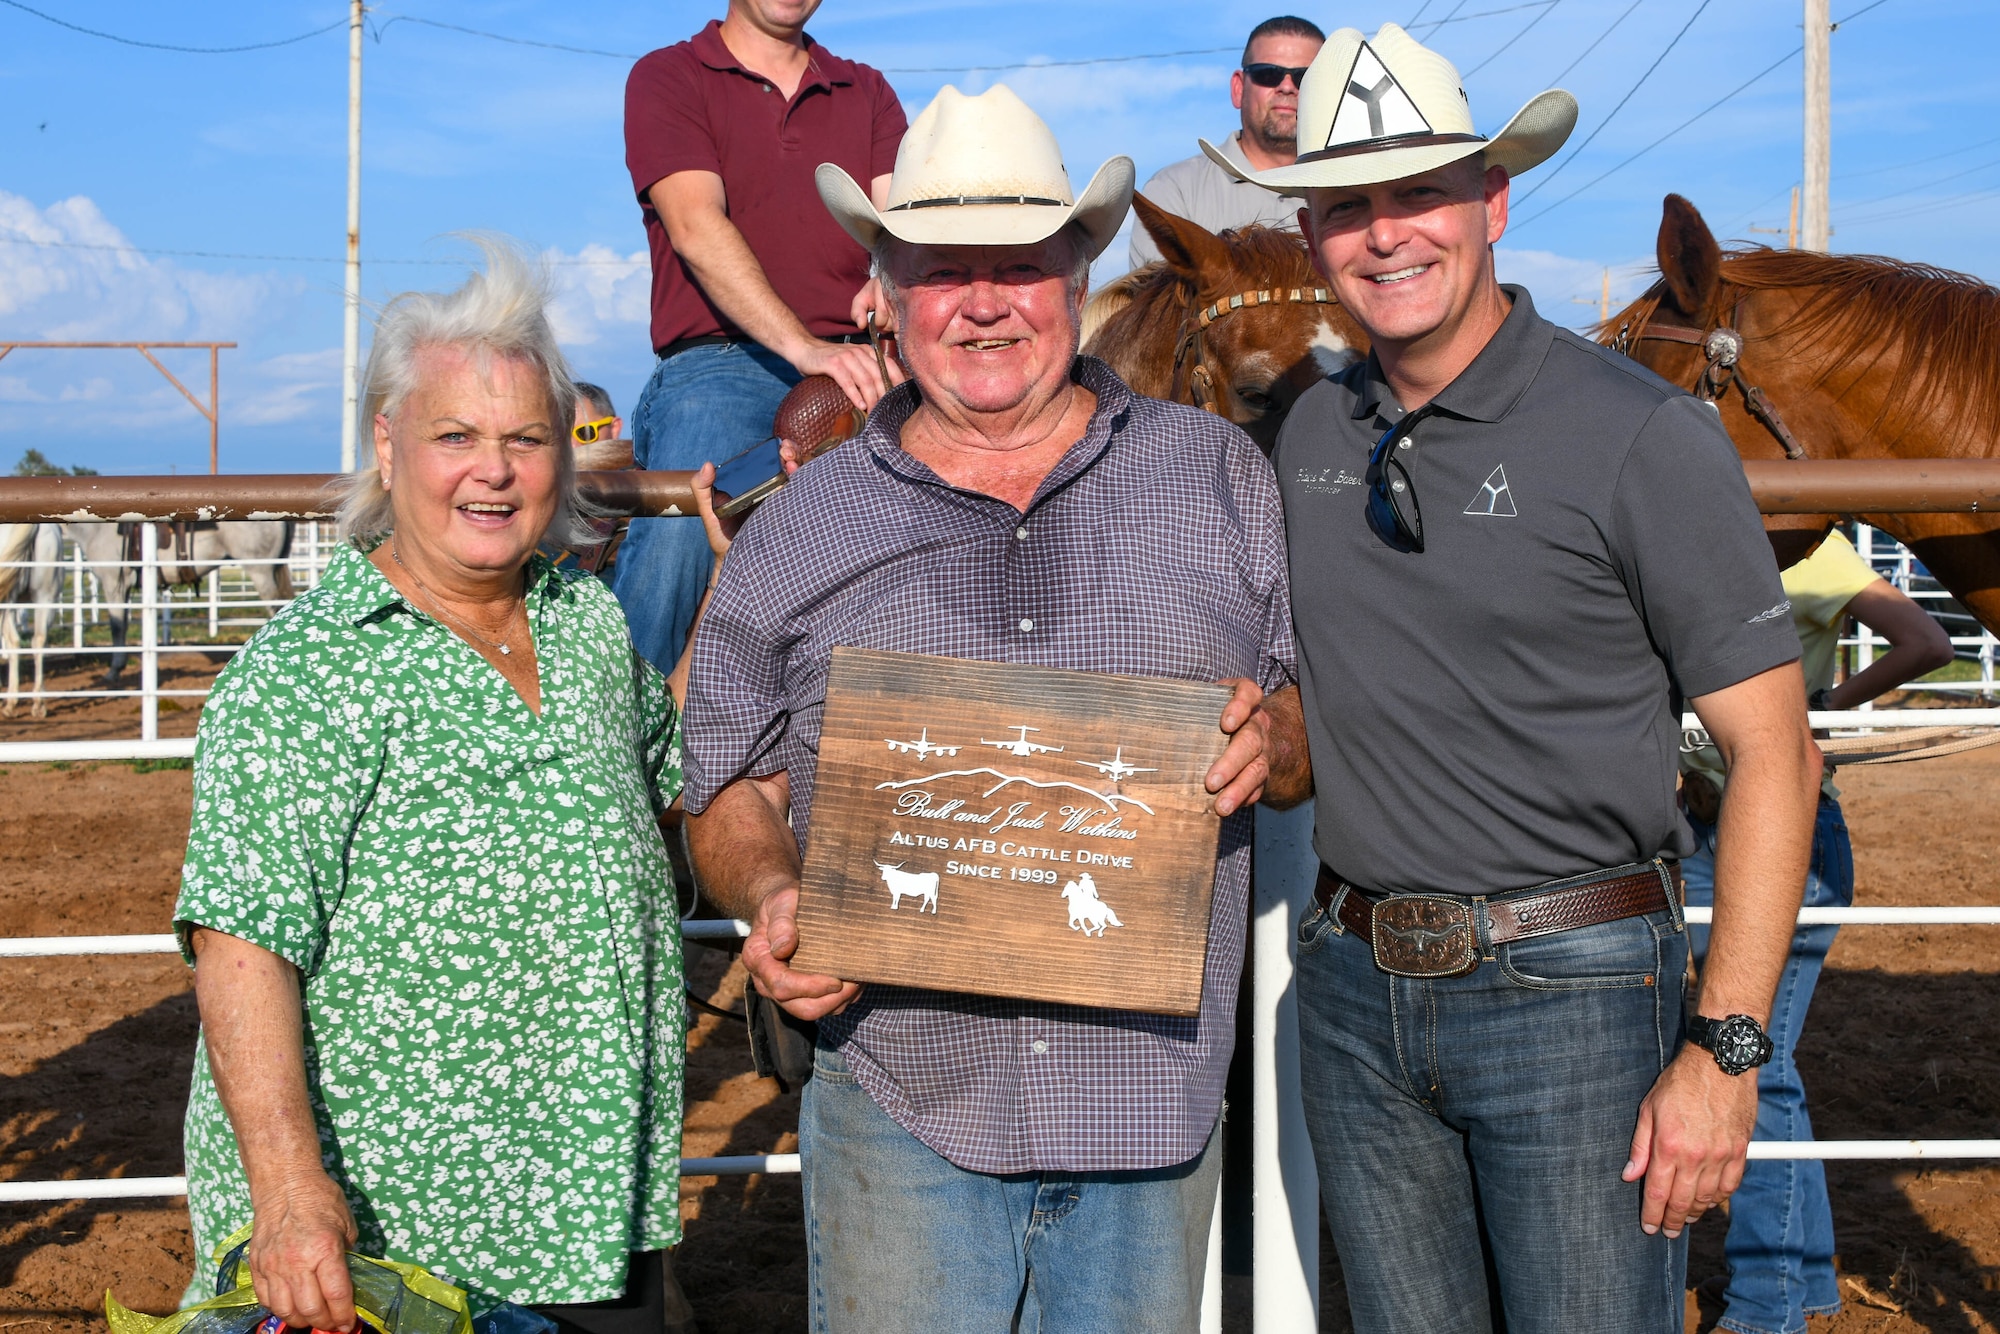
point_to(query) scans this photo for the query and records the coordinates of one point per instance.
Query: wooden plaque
(1012, 831)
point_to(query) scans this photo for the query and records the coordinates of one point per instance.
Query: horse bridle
(1723, 347)
(1188, 348)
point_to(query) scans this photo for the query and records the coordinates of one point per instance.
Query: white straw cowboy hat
(1380, 110)
(980, 170)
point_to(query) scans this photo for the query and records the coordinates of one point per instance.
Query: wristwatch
(1820, 701)
(1738, 1042)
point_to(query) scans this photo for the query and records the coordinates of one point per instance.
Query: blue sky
(115, 146)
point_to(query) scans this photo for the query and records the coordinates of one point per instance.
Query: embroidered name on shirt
(1326, 481)
(1495, 497)
(1782, 609)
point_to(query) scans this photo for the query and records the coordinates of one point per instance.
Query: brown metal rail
(1875, 486)
(274, 496)
(1844, 486)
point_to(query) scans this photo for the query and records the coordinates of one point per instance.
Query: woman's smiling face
(470, 460)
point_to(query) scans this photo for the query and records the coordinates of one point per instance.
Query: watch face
(1739, 1044)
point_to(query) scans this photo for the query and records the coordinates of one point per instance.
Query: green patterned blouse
(479, 903)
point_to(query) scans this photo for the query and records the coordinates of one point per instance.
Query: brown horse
(1237, 323)
(1833, 357)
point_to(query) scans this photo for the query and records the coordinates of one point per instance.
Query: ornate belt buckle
(1416, 935)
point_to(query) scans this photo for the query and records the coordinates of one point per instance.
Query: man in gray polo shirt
(1266, 92)
(1514, 555)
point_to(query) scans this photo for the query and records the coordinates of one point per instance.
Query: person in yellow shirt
(1780, 1242)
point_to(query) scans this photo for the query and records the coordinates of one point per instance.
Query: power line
(498, 37)
(1547, 10)
(167, 46)
(1928, 206)
(1760, 74)
(1898, 194)
(1664, 53)
(1663, 138)
(1918, 162)
(1557, 81)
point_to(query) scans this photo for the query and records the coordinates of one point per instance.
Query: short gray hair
(597, 397)
(501, 311)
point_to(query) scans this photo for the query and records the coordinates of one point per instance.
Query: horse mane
(1145, 308)
(1857, 309)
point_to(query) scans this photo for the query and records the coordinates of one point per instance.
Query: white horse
(1086, 910)
(106, 546)
(38, 585)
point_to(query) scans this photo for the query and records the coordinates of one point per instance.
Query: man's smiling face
(1408, 257)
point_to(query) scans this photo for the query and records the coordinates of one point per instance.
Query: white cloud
(600, 292)
(54, 287)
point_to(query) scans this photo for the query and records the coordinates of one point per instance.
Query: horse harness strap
(1200, 380)
(1723, 347)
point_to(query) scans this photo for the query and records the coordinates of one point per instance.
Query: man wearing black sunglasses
(1266, 92)
(1517, 1100)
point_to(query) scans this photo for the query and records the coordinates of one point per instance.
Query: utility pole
(1813, 231)
(350, 360)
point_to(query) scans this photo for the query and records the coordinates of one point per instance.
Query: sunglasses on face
(1392, 497)
(1273, 76)
(588, 432)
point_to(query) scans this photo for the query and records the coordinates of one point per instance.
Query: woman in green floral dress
(426, 898)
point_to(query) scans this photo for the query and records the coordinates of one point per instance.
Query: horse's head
(1670, 331)
(1253, 359)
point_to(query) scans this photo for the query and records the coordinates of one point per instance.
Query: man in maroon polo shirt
(754, 284)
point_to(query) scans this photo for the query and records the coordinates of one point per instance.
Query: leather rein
(1723, 347)
(1188, 350)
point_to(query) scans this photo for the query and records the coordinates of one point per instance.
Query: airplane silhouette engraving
(922, 747)
(1020, 746)
(1115, 768)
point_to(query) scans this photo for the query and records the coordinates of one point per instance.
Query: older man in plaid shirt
(973, 1163)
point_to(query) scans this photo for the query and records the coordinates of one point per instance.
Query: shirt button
(1021, 534)
(1041, 1048)
(1026, 625)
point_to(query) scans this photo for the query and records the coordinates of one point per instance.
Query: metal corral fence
(1285, 1223)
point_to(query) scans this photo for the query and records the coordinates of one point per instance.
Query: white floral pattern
(481, 907)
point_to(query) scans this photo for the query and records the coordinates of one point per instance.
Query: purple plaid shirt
(1155, 548)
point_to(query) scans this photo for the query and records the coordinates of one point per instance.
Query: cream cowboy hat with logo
(1380, 110)
(980, 170)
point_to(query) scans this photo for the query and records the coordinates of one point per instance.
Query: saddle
(177, 539)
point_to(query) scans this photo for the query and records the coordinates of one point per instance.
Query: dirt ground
(94, 1057)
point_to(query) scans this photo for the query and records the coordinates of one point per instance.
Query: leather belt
(1437, 935)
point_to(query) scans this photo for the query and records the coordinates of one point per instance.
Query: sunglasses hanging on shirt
(1393, 511)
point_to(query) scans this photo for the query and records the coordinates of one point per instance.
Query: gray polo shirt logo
(1495, 497)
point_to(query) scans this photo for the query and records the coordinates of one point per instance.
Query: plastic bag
(390, 1297)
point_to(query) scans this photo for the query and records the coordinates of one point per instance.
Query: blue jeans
(900, 1241)
(704, 405)
(1470, 1131)
(1780, 1243)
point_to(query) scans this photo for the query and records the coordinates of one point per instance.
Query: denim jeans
(704, 405)
(1780, 1242)
(1470, 1132)
(900, 1241)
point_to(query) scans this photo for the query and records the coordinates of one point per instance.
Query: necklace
(438, 608)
